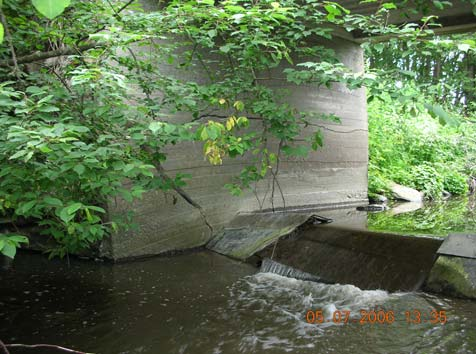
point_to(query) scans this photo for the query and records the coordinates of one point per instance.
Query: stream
(205, 303)
(435, 218)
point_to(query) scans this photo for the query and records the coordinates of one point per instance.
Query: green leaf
(439, 5)
(203, 134)
(239, 105)
(25, 207)
(45, 149)
(53, 201)
(64, 216)
(51, 8)
(298, 151)
(17, 238)
(318, 140)
(437, 111)
(389, 6)
(9, 250)
(73, 208)
(155, 126)
(79, 169)
(28, 156)
(1, 33)
(18, 154)
(96, 208)
(67, 213)
(225, 48)
(48, 109)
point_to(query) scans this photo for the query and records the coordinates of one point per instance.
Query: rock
(454, 272)
(472, 185)
(406, 193)
(372, 207)
(378, 199)
(453, 276)
(406, 207)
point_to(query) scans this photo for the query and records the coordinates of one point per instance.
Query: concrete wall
(336, 174)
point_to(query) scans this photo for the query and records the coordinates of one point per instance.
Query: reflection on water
(435, 218)
(205, 303)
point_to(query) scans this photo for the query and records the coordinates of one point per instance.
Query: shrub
(417, 151)
(455, 182)
(426, 179)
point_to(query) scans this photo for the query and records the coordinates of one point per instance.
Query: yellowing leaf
(275, 5)
(242, 122)
(239, 105)
(230, 123)
(221, 101)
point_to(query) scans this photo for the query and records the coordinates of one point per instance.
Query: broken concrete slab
(459, 245)
(249, 233)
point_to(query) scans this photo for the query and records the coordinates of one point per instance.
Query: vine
(72, 131)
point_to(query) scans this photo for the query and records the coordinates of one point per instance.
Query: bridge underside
(335, 175)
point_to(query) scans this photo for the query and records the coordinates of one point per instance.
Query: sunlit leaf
(51, 8)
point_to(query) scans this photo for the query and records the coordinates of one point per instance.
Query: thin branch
(205, 67)
(51, 346)
(142, 83)
(162, 173)
(4, 348)
(62, 80)
(275, 179)
(122, 8)
(14, 60)
(209, 115)
(30, 58)
(336, 131)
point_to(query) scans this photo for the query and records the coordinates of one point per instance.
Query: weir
(343, 252)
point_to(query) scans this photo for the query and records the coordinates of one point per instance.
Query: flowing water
(205, 303)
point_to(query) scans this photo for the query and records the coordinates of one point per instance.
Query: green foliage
(442, 67)
(422, 76)
(409, 147)
(427, 179)
(10, 243)
(74, 130)
(454, 182)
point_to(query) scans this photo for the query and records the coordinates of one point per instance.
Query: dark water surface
(205, 303)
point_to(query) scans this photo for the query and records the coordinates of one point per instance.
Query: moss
(449, 276)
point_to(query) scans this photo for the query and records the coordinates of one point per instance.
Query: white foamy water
(267, 312)
(278, 306)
